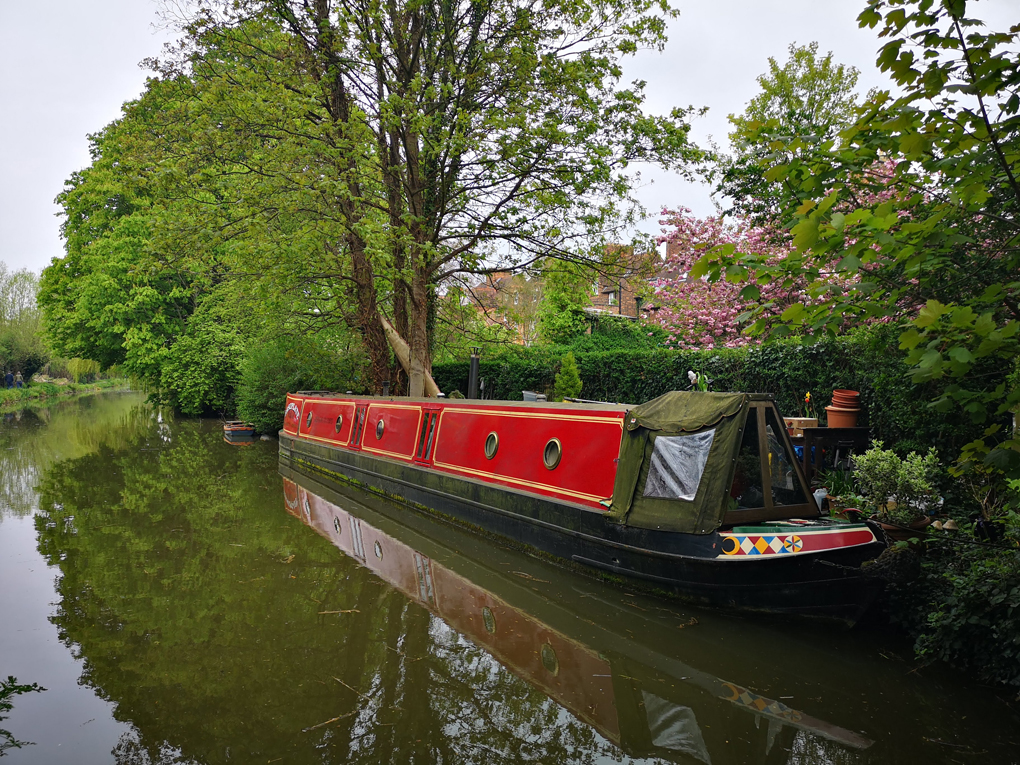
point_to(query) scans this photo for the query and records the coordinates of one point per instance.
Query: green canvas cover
(716, 421)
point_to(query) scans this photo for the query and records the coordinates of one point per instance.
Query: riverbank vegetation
(44, 390)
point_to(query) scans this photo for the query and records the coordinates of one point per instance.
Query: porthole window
(336, 524)
(553, 453)
(378, 550)
(491, 445)
(549, 660)
(489, 620)
(339, 423)
(308, 420)
(379, 427)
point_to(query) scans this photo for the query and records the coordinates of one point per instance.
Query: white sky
(68, 65)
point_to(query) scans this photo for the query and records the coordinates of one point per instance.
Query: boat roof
(565, 405)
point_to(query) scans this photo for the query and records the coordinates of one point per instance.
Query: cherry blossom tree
(698, 313)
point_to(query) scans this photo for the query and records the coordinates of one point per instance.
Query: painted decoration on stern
(753, 545)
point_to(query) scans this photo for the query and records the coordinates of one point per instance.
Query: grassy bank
(13, 397)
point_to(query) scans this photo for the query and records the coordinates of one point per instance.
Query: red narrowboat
(696, 495)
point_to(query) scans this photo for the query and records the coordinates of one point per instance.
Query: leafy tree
(486, 128)
(565, 294)
(918, 207)
(461, 324)
(810, 97)
(21, 343)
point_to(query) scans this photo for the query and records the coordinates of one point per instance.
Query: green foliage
(568, 380)
(610, 333)
(965, 610)
(37, 391)
(278, 365)
(565, 294)
(83, 369)
(460, 326)
(918, 207)
(893, 406)
(21, 343)
(911, 482)
(10, 688)
(810, 97)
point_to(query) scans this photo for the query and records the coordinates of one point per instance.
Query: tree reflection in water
(225, 631)
(204, 613)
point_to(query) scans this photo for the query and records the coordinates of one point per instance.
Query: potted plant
(839, 489)
(899, 493)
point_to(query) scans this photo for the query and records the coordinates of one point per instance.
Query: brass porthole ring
(379, 427)
(491, 445)
(308, 419)
(339, 423)
(553, 453)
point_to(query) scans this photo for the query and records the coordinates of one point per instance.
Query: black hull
(825, 585)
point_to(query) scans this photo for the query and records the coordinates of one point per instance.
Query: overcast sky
(67, 66)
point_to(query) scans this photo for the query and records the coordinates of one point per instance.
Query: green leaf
(930, 313)
(910, 339)
(794, 313)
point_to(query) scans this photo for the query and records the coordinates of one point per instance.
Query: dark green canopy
(677, 461)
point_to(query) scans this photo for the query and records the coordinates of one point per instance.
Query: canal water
(182, 601)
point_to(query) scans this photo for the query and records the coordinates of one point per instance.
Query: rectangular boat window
(421, 436)
(786, 487)
(432, 436)
(359, 421)
(746, 491)
(677, 465)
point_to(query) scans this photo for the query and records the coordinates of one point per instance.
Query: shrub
(965, 609)
(274, 367)
(568, 381)
(896, 410)
(912, 482)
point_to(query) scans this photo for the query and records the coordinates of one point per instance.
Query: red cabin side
(451, 437)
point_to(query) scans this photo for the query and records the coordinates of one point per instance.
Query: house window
(595, 287)
(612, 298)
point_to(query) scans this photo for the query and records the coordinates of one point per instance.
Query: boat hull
(696, 568)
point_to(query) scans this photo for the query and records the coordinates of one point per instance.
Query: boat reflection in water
(592, 649)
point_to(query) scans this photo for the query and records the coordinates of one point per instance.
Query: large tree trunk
(427, 386)
(421, 361)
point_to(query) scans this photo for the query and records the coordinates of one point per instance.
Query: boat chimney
(472, 391)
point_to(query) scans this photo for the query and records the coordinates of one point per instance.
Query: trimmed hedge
(897, 410)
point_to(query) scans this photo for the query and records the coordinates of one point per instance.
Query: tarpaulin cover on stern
(687, 441)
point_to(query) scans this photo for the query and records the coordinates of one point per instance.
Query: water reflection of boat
(612, 666)
(694, 494)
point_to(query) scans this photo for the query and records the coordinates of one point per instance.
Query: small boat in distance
(695, 495)
(238, 432)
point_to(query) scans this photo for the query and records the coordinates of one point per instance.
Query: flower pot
(846, 399)
(841, 418)
(905, 532)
